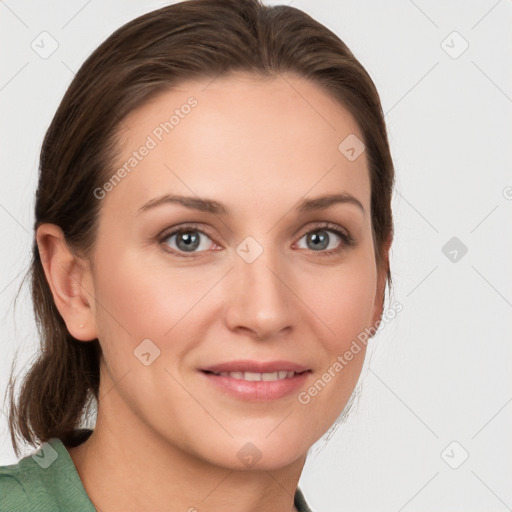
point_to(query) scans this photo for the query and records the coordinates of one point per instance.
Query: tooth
(257, 376)
(252, 376)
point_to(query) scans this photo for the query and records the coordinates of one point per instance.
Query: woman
(213, 223)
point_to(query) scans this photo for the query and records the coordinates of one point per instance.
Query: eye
(327, 239)
(187, 239)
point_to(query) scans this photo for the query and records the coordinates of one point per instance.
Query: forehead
(254, 139)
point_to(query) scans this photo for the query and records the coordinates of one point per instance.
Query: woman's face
(257, 276)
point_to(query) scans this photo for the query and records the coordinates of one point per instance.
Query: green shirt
(47, 481)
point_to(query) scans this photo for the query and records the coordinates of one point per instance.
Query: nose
(260, 298)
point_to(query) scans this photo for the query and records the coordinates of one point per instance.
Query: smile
(257, 381)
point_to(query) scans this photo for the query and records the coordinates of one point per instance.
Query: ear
(69, 280)
(382, 269)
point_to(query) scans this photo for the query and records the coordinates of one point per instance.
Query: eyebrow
(217, 208)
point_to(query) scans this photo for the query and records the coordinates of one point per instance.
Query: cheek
(129, 290)
(138, 298)
(344, 300)
(346, 305)
(350, 306)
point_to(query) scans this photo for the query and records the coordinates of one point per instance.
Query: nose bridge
(260, 301)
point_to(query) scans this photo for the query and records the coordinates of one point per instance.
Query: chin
(258, 452)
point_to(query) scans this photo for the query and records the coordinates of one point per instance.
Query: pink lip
(257, 390)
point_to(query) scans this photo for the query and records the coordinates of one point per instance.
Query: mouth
(257, 381)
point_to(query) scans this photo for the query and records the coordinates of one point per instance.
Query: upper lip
(256, 367)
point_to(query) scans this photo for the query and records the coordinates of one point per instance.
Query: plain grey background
(431, 431)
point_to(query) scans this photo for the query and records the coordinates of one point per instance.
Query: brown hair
(153, 53)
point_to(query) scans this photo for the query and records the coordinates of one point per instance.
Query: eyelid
(191, 226)
(328, 226)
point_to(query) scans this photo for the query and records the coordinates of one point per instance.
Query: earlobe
(66, 276)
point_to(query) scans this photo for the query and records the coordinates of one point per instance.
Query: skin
(166, 439)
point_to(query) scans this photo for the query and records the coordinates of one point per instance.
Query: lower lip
(264, 390)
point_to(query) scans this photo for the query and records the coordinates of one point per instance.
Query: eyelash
(346, 238)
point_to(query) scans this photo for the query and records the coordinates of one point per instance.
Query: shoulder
(18, 484)
(43, 481)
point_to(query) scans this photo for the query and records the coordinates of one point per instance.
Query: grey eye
(187, 240)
